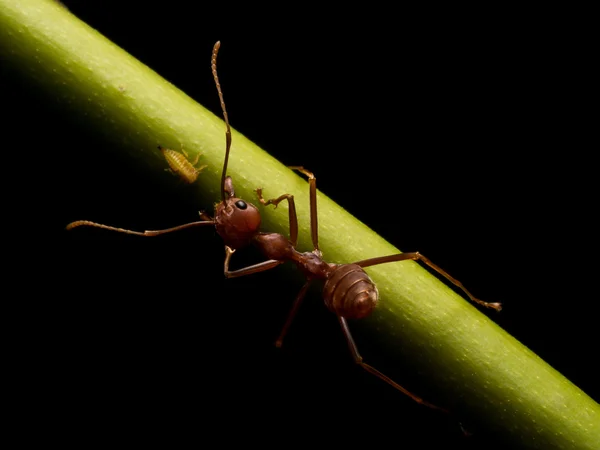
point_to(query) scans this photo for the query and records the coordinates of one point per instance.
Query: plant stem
(488, 373)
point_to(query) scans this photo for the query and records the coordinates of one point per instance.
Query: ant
(348, 291)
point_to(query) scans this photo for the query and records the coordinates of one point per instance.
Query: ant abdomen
(350, 293)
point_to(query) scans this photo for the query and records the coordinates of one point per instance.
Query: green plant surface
(456, 347)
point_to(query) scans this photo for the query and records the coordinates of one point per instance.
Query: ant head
(236, 220)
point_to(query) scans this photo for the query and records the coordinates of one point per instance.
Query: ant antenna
(213, 65)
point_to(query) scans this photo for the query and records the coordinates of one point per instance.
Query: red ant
(348, 292)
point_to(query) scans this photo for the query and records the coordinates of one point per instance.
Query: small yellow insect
(180, 164)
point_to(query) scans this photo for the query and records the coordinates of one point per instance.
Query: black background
(459, 138)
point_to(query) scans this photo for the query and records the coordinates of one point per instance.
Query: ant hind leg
(292, 313)
(416, 256)
(358, 359)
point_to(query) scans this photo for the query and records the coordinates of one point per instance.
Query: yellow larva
(180, 164)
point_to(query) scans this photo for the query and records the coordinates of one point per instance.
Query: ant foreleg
(292, 313)
(255, 268)
(358, 359)
(293, 218)
(148, 233)
(416, 256)
(314, 226)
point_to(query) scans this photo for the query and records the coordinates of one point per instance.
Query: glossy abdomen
(350, 293)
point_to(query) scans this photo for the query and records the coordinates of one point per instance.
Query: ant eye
(241, 204)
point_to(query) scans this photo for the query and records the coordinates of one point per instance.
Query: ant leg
(293, 218)
(314, 226)
(255, 268)
(87, 223)
(358, 359)
(416, 256)
(292, 313)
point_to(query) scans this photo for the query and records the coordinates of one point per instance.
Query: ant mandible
(348, 291)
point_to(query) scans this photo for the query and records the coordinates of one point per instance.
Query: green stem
(481, 369)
